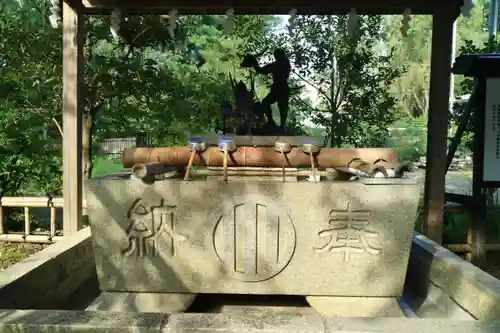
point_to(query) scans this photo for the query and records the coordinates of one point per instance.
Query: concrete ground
(459, 182)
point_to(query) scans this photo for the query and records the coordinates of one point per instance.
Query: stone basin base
(176, 303)
(142, 302)
(356, 306)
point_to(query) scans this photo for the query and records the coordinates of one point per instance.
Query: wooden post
(478, 211)
(437, 126)
(468, 254)
(73, 37)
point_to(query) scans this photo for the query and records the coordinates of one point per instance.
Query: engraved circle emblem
(253, 238)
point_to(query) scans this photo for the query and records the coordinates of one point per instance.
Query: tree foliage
(414, 50)
(143, 82)
(166, 87)
(348, 73)
(30, 101)
(146, 82)
(466, 87)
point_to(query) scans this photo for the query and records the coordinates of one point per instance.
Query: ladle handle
(190, 165)
(224, 162)
(283, 159)
(311, 156)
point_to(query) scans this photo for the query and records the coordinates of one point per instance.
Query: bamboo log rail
(22, 238)
(142, 171)
(265, 170)
(260, 157)
(467, 248)
(28, 203)
(34, 202)
(258, 173)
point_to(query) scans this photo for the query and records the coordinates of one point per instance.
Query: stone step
(88, 321)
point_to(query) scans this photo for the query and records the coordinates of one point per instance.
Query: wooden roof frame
(277, 7)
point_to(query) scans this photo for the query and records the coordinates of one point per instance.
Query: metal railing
(28, 236)
(114, 147)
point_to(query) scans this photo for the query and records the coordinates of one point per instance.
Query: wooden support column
(437, 126)
(73, 37)
(477, 223)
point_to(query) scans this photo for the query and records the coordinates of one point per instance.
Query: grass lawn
(10, 253)
(104, 166)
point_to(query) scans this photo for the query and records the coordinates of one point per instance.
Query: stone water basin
(434, 291)
(332, 242)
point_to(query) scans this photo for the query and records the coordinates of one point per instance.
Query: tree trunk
(333, 129)
(87, 129)
(332, 136)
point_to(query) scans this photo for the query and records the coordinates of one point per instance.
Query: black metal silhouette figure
(280, 91)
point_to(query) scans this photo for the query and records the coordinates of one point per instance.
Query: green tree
(143, 82)
(414, 50)
(30, 100)
(412, 87)
(149, 82)
(349, 75)
(472, 31)
(466, 85)
(119, 77)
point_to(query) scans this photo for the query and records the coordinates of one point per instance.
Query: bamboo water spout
(260, 157)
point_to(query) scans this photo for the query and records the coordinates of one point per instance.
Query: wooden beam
(275, 7)
(73, 38)
(437, 126)
(464, 248)
(461, 199)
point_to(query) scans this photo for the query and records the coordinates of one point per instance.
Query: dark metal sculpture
(280, 70)
(251, 116)
(246, 116)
